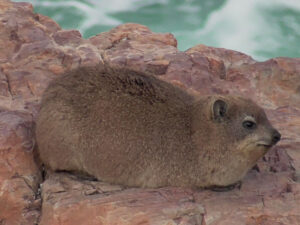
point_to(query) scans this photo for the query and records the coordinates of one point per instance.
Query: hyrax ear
(219, 110)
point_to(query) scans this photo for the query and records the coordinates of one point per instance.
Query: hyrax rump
(127, 127)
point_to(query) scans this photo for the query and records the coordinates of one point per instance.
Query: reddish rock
(133, 32)
(19, 175)
(67, 200)
(34, 50)
(230, 58)
(137, 48)
(65, 37)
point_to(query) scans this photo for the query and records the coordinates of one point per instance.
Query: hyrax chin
(130, 128)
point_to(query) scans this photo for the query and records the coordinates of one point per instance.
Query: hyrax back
(130, 128)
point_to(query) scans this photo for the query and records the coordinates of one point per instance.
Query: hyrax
(131, 128)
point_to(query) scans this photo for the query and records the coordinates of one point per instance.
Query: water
(262, 29)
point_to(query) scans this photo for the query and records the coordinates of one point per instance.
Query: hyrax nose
(275, 137)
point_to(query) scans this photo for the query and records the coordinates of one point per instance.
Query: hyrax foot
(226, 188)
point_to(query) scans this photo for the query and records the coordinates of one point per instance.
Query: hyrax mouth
(269, 142)
(265, 145)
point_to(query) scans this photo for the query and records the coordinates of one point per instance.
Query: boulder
(20, 176)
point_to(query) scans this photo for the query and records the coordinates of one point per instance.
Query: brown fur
(130, 128)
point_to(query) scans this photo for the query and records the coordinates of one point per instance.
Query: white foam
(93, 15)
(291, 4)
(98, 12)
(241, 25)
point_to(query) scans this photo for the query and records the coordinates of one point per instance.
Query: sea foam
(262, 29)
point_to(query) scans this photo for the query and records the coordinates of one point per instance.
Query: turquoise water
(261, 28)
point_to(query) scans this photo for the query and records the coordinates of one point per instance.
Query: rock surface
(19, 175)
(67, 200)
(34, 50)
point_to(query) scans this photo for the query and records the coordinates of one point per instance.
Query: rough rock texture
(69, 201)
(34, 50)
(19, 175)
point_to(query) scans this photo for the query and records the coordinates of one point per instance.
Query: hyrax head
(244, 121)
(236, 133)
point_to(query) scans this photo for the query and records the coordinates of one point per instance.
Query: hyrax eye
(249, 125)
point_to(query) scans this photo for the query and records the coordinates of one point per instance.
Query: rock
(34, 50)
(136, 46)
(68, 200)
(19, 175)
(132, 32)
(229, 58)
